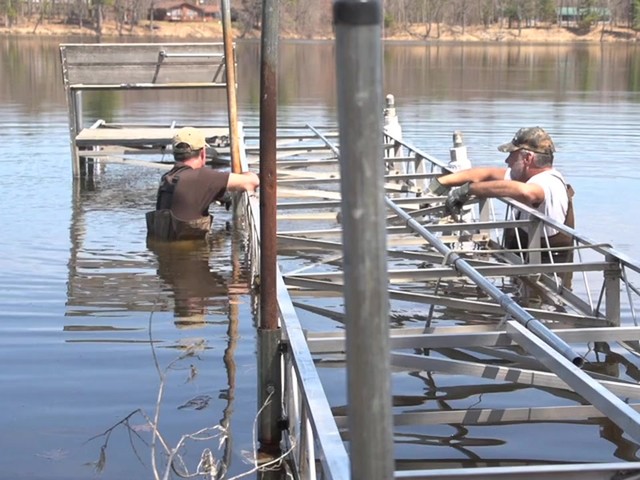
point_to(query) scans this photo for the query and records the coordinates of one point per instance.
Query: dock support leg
(484, 212)
(612, 292)
(392, 126)
(269, 333)
(269, 391)
(74, 100)
(535, 232)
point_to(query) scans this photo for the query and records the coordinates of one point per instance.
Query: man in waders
(529, 178)
(187, 190)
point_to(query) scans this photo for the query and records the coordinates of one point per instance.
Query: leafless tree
(312, 18)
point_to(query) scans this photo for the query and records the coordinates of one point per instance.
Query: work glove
(456, 199)
(436, 188)
(225, 200)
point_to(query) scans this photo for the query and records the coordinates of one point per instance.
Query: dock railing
(313, 443)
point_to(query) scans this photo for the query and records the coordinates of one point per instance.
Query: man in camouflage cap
(529, 177)
(534, 139)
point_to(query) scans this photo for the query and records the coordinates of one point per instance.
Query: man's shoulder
(204, 173)
(213, 173)
(548, 174)
(213, 178)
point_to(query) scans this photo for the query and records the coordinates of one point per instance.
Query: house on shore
(574, 15)
(184, 11)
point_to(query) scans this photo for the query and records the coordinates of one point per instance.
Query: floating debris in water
(54, 455)
(193, 373)
(197, 403)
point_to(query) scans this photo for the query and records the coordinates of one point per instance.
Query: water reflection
(197, 289)
(114, 273)
(30, 69)
(104, 278)
(625, 449)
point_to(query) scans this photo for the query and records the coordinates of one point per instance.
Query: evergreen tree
(547, 10)
(635, 14)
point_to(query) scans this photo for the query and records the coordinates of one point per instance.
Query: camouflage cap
(190, 137)
(534, 139)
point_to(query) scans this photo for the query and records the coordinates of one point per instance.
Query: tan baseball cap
(190, 137)
(534, 139)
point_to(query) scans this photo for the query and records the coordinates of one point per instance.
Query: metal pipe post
(269, 334)
(269, 391)
(359, 81)
(268, 172)
(230, 69)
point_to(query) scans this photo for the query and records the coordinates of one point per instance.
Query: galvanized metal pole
(230, 71)
(269, 387)
(359, 81)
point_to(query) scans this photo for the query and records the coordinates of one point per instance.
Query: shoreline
(213, 31)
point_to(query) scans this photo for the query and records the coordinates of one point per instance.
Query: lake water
(91, 316)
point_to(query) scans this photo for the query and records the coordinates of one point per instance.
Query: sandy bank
(213, 31)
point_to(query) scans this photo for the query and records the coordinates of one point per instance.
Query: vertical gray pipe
(359, 84)
(269, 370)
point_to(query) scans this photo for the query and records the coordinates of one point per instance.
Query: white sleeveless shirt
(556, 199)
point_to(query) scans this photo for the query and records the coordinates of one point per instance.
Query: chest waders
(560, 239)
(163, 225)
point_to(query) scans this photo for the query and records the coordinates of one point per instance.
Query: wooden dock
(122, 67)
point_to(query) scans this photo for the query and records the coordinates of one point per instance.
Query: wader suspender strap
(167, 186)
(569, 219)
(561, 239)
(557, 240)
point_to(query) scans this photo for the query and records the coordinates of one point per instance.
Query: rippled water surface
(91, 317)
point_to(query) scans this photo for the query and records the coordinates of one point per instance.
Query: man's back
(194, 190)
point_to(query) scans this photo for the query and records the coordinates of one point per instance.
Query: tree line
(512, 13)
(313, 18)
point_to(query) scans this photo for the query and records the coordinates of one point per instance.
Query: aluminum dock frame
(460, 307)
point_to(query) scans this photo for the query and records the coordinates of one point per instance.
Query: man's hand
(436, 188)
(456, 199)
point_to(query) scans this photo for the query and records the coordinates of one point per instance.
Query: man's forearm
(473, 175)
(527, 194)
